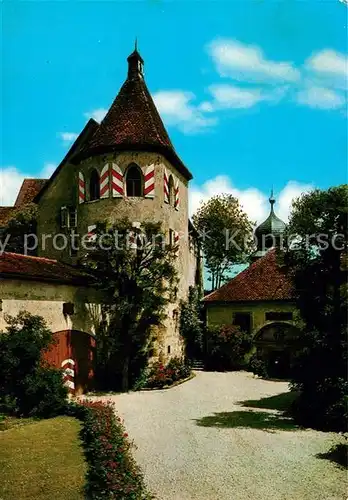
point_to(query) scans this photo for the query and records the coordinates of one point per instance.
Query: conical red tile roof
(133, 122)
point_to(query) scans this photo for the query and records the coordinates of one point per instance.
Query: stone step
(197, 365)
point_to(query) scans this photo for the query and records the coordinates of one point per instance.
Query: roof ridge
(34, 257)
(145, 90)
(35, 179)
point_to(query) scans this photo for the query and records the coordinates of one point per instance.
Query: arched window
(171, 191)
(94, 188)
(134, 181)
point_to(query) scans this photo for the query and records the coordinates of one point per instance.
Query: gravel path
(198, 442)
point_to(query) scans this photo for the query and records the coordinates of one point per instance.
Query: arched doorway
(74, 352)
(276, 344)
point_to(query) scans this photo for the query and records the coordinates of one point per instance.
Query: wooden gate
(74, 352)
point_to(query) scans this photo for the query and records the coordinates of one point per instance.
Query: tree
(138, 279)
(226, 235)
(317, 258)
(21, 223)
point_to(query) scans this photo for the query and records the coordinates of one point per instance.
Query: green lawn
(42, 459)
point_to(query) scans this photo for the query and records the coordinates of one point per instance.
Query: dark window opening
(72, 217)
(171, 237)
(134, 182)
(68, 308)
(94, 188)
(243, 320)
(63, 217)
(278, 316)
(73, 245)
(168, 349)
(171, 191)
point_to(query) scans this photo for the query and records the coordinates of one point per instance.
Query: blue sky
(253, 92)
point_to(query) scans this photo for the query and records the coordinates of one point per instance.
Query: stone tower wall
(63, 191)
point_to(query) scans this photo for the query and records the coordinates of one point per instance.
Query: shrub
(325, 407)
(112, 472)
(319, 375)
(228, 346)
(258, 366)
(161, 375)
(28, 387)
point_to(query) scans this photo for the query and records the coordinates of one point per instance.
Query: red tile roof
(19, 266)
(29, 189)
(5, 215)
(133, 122)
(265, 279)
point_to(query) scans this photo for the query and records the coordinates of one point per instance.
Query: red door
(74, 352)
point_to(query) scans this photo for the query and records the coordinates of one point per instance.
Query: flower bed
(165, 375)
(112, 472)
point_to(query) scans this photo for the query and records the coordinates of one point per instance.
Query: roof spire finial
(272, 199)
(135, 63)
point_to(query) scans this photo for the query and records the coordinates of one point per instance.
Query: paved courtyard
(219, 437)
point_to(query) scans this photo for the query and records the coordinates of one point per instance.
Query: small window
(243, 320)
(171, 237)
(73, 251)
(68, 308)
(134, 181)
(72, 221)
(168, 349)
(63, 217)
(73, 245)
(94, 187)
(171, 191)
(278, 316)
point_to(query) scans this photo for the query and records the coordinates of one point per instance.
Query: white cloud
(321, 98)
(248, 63)
(97, 114)
(48, 170)
(206, 107)
(328, 61)
(229, 96)
(328, 68)
(253, 201)
(68, 137)
(11, 180)
(291, 191)
(177, 109)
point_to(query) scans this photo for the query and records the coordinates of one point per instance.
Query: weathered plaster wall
(46, 299)
(223, 314)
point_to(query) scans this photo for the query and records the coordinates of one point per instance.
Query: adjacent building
(261, 298)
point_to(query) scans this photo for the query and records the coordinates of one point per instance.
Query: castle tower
(269, 232)
(126, 166)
